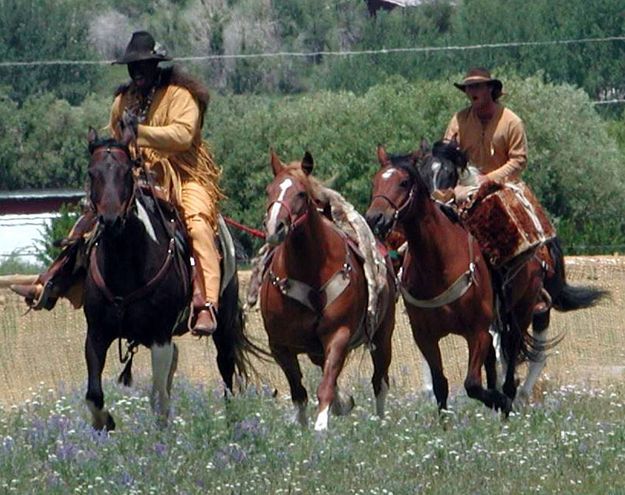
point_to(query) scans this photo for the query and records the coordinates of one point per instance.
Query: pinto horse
(441, 169)
(314, 295)
(138, 282)
(445, 282)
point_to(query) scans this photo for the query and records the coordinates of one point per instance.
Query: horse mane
(176, 76)
(449, 150)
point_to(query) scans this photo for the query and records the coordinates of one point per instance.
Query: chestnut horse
(314, 295)
(441, 169)
(445, 281)
(138, 282)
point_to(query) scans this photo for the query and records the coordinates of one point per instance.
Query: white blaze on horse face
(387, 174)
(436, 168)
(275, 208)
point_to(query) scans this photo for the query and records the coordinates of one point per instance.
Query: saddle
(507, 220)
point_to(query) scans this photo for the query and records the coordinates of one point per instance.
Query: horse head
(288, 196)
(111, 178)
(441, 168)
(395, 186)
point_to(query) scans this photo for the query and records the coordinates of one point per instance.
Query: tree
(45, 30)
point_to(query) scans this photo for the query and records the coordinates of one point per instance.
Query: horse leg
(95, 355)
(172, 369)
(490, 365)
(343, 403)
(480, 347)
(540, 326)
(511, 346)
(287, 360)
(381, 357)
(335, 353)
(432, 354)
(162, 364)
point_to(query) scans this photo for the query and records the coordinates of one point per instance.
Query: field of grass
(572, 442)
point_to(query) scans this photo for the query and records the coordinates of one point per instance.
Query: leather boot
(62, 273)
(204, 322)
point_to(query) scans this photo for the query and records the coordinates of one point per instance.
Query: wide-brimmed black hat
(142, 47)
(478, 75)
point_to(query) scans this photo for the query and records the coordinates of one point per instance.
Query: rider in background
(166, 106)
(492, 136)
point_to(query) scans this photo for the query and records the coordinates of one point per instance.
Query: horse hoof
(105, 423)
(110, 423)
(343, 404)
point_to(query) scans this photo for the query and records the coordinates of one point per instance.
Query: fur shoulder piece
(176, 76)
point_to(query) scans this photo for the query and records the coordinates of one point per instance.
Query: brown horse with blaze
(314, 295)
(445, 280)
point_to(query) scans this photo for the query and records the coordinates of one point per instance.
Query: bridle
(402, 208)
(114, 151)
(294, 220)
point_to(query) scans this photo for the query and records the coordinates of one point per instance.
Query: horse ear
(416, 156)
(308, 163)
(382, 156)
(424, 146)
(276, 164)
(92, 137)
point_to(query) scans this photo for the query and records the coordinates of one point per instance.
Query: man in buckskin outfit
(167, 107)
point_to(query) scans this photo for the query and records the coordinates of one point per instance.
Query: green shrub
(574, 164)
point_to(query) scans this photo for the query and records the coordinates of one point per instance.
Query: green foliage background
(339, 108)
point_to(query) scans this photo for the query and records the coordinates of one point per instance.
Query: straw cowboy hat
(142, 47)
(477, 76)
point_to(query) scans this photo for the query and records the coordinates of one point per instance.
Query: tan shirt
(498, 149)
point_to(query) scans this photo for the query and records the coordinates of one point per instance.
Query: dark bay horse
(441, 169)
(138, 282)
(445, 280)
(314, 295)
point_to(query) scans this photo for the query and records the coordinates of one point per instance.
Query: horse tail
(231, 336)
(125, 377)
(567, 297)
(533, 349)
(573, 297)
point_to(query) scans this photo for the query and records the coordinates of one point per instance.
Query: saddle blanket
(507, 220)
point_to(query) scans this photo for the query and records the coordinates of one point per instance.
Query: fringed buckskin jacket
(170, 137)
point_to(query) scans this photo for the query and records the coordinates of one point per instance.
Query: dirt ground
(44, 350)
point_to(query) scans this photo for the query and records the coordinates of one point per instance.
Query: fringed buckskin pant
(200, 214)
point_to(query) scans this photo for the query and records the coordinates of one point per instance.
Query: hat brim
(129, 58)
(496, 83)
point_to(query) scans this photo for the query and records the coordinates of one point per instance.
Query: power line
(330, 53)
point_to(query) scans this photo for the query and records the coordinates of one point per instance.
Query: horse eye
(404, 183)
